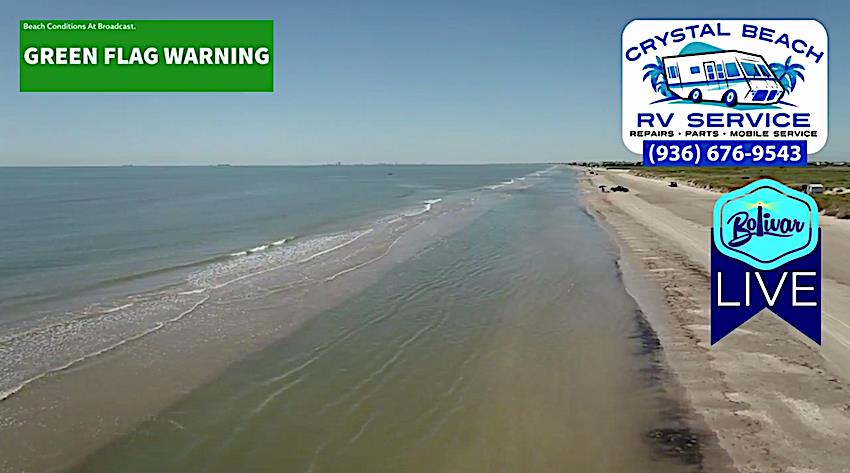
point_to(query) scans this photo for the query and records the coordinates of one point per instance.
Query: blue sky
(379, 81)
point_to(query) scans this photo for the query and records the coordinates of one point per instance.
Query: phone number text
(724, 153)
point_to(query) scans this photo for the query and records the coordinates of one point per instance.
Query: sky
(379, 81)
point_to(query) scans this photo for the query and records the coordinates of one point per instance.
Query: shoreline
(770, 399)
(59, 418)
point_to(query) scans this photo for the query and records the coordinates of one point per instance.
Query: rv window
(695, 70)
(671, 72)
(764, 71)
(720, 72)
(750, 69)
(732, 70)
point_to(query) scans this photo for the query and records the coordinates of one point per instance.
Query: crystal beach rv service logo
(765, 254)
(724, 92)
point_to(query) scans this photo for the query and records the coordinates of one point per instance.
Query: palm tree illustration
(657, 79)
(788, 73)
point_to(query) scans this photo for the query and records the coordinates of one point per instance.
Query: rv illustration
(729, 77)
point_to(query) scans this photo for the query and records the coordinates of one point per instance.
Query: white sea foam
(41, 350)
(429, 204)
(158, 326)
(341, 245)
(120, 307)
(260, 248)
(523, 179)
(500, 185)
(193, 291)
(365, 263)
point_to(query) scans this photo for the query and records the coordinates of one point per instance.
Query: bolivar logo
(765, 254)
(766, 224)
(757, 83)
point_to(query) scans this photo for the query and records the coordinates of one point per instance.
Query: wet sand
(776, 402)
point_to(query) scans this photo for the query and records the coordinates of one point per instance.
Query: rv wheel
(695, 96)
(730, 98)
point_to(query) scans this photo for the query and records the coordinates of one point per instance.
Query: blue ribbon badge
(765, 254)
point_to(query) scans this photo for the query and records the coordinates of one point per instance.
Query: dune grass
(725, 179)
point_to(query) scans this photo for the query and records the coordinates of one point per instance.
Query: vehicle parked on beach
(728, 77)
(812, 189)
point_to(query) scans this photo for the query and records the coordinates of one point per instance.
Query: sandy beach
(776, 402)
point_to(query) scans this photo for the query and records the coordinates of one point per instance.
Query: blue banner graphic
(724, 153)
(765, 254)
(791, 291)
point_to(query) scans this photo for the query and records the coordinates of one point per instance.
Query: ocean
(83, 250)
(324, 319)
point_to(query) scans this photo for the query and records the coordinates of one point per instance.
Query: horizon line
(18, 166)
